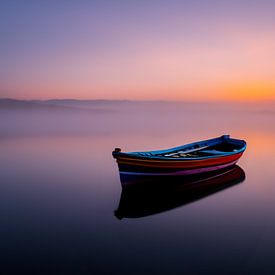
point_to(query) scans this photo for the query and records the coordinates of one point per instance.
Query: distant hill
(101, 105)
(14, 103)
(9, 102)
(73, 104)
(65, 105)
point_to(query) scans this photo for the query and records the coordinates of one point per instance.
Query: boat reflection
(142, 196)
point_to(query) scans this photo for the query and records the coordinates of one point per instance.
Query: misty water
(60, 188)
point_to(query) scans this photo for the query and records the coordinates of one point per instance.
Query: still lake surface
(60, 189)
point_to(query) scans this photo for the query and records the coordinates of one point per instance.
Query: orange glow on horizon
(250, 91)
(247, 91)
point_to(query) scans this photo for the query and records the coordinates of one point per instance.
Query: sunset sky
(171, 50)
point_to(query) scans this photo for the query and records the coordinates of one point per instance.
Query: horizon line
(143, 100)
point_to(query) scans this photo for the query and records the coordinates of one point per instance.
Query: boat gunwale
(210, 142)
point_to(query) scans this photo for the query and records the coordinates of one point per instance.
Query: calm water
(60, 187)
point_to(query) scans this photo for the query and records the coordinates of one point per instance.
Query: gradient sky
(176, 50)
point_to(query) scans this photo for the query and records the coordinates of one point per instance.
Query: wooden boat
(198, 157)
(142, 196)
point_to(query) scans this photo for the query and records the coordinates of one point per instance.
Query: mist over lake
(60, 188)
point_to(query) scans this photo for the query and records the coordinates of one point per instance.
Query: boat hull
(149, 163)
(172, 172)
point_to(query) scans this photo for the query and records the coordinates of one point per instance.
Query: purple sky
(137, 49)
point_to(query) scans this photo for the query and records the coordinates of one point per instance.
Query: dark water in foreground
(60, 188)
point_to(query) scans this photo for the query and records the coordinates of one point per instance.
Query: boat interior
(202, 150)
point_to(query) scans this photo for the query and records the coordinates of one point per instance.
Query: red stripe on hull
(181, 164)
